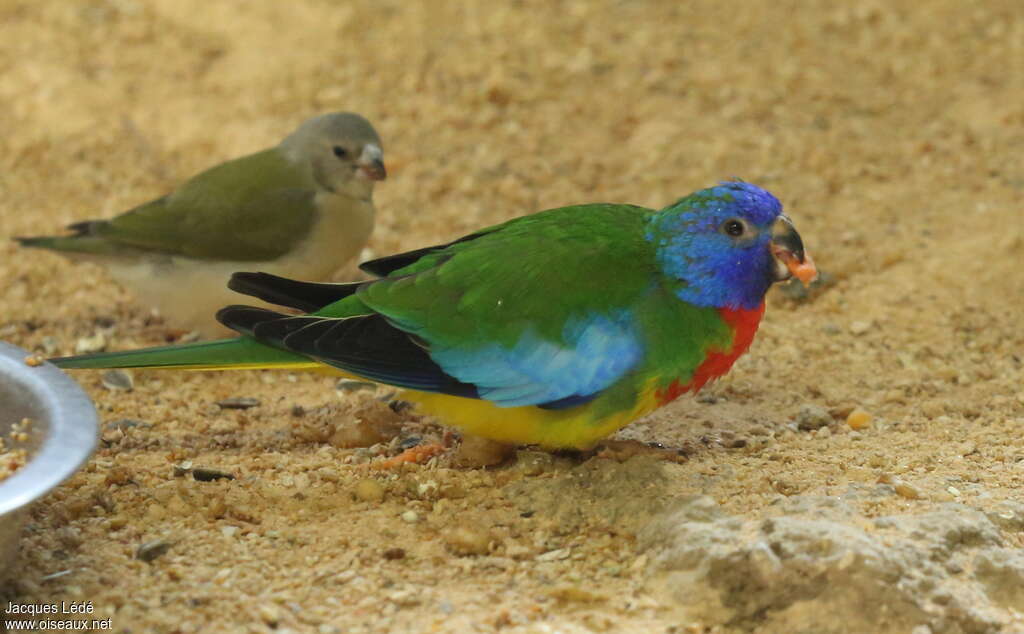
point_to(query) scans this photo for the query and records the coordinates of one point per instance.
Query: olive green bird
(300, 209)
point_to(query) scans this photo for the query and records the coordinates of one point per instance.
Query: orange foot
(416, 455)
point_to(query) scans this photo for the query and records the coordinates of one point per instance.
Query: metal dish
(62, 436)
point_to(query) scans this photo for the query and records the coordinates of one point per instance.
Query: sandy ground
(893, 133)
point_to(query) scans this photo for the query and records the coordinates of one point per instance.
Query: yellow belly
(572, 428)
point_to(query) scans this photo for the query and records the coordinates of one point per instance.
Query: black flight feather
(305, 296)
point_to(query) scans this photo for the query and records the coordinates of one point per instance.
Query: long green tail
(93, 245)
(241, 353)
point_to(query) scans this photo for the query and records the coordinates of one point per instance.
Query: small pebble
(557, 555)
(95, 343)
(464, 540)
(812, 417)
(859, 419)
(240, 402)
(270, 614)
(908, 491)
(840, 412)
(533, 463)
(206, 474)
(411, 517)
(391, 554)
(150, 551)
(567, 593)
(50, 344)
(400, 407)
(117, 380)
(476, 452)
(860, 327)
(123, 424)
(348, 385)
(353, 434)
(369, 491)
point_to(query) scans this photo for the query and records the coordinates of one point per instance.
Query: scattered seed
(117, 380)
(404, 598)
(411, 517)
(189, 337)
(241, 402)
(860, 327)
(369, 491)
(150, 551)
(858, 419)
(555, 555)
(269, 614)
(206, 474)
(465, 540)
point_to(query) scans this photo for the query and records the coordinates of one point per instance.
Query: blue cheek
(720, 273)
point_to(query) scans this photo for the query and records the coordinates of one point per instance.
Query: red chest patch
(744, 324)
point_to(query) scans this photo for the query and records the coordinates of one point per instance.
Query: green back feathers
(251, 209)
(587, 258)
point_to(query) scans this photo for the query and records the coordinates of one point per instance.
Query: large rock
(818, 566)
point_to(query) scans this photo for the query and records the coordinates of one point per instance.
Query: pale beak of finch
(371, 163)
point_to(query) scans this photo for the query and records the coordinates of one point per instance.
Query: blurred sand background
(893, 132)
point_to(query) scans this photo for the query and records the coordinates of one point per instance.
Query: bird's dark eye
(733, 227)
(340, 152)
